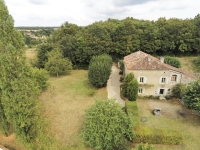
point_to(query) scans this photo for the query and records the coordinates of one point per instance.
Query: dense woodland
(122, 37)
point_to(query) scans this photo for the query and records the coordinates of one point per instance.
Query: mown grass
(189, 125)
(64, 104)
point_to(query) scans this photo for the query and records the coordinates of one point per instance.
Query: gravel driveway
(113, 86)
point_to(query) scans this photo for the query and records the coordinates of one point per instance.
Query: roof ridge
(139, 60)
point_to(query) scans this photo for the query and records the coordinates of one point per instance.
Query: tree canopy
(119, 38)
(191, 97)
(18, 89)
(100, 70)
(56, 63)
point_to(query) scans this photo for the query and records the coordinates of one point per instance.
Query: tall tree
(56, 63)
(99, 70)
(125, 39)
(42, 51)
(19, 94)
(18, 90)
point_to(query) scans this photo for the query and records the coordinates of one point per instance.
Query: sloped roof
(143, 61)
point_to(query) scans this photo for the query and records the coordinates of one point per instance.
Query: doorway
(161, 91)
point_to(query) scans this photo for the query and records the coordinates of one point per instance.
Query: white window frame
(165, 79)
(141, 90)
(144, 79)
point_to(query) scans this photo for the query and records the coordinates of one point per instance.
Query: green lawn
(64, 104)
(170, 119)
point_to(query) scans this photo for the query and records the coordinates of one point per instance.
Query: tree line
(119, 38)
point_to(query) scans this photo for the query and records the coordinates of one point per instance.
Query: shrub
(121, 79)
(172, 61)
(121, 65)
(56, 63)
(157, 136)
(178, 90)
(132, 111)
(107, 126)
(129, 77)
(130, 87)
(41, 77)
(99, 70)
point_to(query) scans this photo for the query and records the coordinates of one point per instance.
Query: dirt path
(113, 86)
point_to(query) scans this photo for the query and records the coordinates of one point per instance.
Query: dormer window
(174, 78)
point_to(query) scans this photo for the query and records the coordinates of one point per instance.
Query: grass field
(64, 104)
(189, 124)
(31, 53)
(186, 63)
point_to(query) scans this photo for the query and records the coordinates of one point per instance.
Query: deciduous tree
(56, 63)
(191, 97)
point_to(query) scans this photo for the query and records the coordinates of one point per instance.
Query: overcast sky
(85, 12)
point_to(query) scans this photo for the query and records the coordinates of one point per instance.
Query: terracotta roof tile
(143, 61)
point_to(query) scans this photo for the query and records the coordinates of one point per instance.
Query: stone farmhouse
(153, 75)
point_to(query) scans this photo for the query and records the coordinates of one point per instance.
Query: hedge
(150, 135)
(157, 136)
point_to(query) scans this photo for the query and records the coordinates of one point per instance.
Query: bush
(132, 111)
(130, 87)
(178, 90)
(172, 61)
(41, 77)
(121, 65)
(107, 126)
(157, 136)
(99, 70)
(121, 79)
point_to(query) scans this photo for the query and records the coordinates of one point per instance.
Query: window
(161, 91)
(140, 90)
(142, 79)
(163, 80)
(174, 78)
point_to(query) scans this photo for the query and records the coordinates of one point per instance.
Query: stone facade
(154, 77)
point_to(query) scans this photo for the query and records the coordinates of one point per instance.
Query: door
(161, 91)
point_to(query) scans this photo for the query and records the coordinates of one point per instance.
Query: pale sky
(85, 12)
